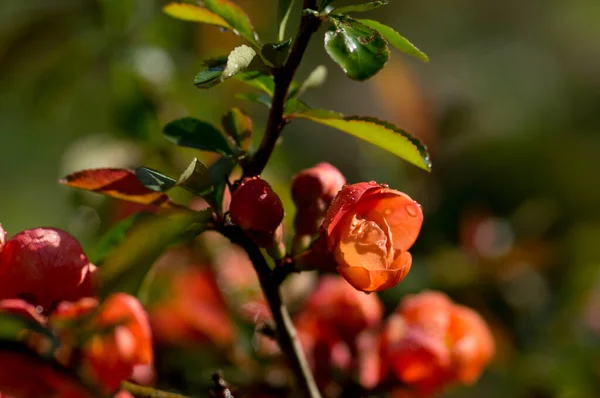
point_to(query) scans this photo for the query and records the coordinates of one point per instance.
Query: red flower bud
(313, 190)
(369, 229)
(257, 209)
(44, 266)
(22, 308)
(431, 342)
(122, 338)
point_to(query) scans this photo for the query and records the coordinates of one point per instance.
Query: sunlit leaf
(258, 80)
(359, 50)
(125, 268)
(374, 131)
(238, 60)
(117, 183)
(235, 17)
(283, 15)
(371, 5)
(238, 126)
(193, 133)
(196, 178)
(194, 13)
(154, 180)
(395, 39)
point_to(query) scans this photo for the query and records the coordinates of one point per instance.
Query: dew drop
(372, 182)
(39, 309)
(411, 210)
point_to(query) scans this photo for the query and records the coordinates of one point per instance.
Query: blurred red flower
(431, 342)
(120, 339)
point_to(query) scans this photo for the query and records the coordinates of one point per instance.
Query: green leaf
(196, 178)
(194, 13)
(261, 99)
(211, 74)
(125, 268)
(372, 5)
(235, 17)
(283, 15)
(238, 126)
(238, 60)
(374, 131)
(219, 174)
(395, 39)
(276, 53)
(359, 50)
(154, 180)
(316, 79)
(258, 80)
(113, 237)
(193, 133)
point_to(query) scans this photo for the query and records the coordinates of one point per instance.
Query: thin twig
(283, 77)
(284, 328)
(148, 392)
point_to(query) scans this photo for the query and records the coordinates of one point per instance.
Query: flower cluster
(46, 279)
(428, 343)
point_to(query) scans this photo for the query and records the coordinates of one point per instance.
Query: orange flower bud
(44, 266)
(257, 209)
(313, 190)
(431, 342)
(369, 229)
(122, 336)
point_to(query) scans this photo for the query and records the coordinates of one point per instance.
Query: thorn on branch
(221, 388)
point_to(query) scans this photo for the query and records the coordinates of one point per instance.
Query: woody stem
(283, 77)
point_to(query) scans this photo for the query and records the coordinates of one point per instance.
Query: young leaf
(315, 79)
(238, 60)
(193, 133)
(359, 50)
(211, 74)
(196, 178)
(154, 180)
(194, 13)
(117, 183)
(395, 39)
(126, 266)
(372, 5)
(238, 126)
(235, 17)
(283, 15)
(374, 131)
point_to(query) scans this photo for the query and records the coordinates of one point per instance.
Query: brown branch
(283, 77)
(285, 332)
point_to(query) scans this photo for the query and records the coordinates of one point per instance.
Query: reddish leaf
(118, 183)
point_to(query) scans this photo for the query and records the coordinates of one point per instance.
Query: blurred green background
(509, 106)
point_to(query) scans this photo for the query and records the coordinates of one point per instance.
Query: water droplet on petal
(388, 212)
(372, 182)
(411, 209)
(39, 309)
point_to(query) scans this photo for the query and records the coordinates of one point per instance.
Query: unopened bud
(313, 191)
(257, 209)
